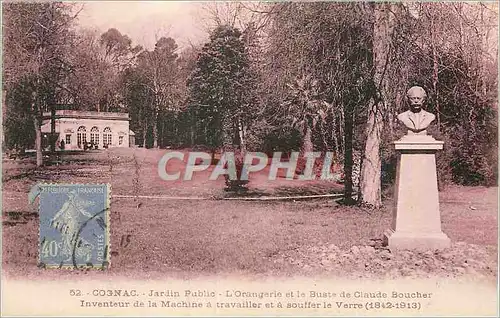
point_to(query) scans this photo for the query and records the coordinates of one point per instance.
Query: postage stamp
(74, 225)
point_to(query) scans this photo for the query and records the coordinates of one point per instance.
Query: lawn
(163, 237)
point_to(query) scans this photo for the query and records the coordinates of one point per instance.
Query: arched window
(94, 135)
(106, 136)
(121, 137)
(81, 136)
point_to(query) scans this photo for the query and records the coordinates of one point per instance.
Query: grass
(198, 237)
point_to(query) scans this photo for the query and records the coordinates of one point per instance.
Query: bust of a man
(416, 119)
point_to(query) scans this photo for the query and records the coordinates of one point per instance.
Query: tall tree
(36, 38)
(99, 62)
(161, 70)
(327, 42)
(186, 122)
(370, 185)
(138, 99)
(220, 88)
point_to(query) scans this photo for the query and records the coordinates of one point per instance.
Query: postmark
(74, 225)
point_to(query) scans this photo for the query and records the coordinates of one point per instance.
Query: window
(68, 139)
(106, 136)
(94, 135)
(120, 140)
(81, 136)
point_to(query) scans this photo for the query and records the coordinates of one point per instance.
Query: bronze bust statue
(416, 119)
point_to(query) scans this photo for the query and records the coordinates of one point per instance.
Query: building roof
(87, 115)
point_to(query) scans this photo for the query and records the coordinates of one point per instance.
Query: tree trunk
(4, 114)
(335, 139)
(370, 183)
(460, 25)
(307, 145)
(227, 139)
(145, 135)
(193, 129)
(192, 136)
(52, 129)
(38, 138)
(398, 101)
(241, 135)
(176, 133)
(348, 160)
(435, 70)
(227, 133)
(155, 130)
(37, 121)
(484, 51)
(162, 133)
(435, 79)
(341, 131)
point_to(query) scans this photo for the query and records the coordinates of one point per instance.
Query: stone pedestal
(416, 223)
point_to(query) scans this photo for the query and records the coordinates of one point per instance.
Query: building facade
(101, 129)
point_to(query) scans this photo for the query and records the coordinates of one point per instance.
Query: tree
(17, 121)
(306, 108)
(160, 68)
(325, 43)
(138, 99)
(186, 122)
(370, 185)
(220, 89)
(239, 15)
(36, 38)
(99, 62)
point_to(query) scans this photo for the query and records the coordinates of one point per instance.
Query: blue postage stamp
(74, 225)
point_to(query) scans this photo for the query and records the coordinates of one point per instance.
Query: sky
(146, 21)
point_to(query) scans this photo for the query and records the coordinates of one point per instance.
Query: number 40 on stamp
(74, 225)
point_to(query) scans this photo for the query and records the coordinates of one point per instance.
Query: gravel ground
(374, 261)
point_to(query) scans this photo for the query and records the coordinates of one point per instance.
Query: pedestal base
(416, 241)
(416, 223)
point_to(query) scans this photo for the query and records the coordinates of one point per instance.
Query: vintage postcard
(194, 158)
